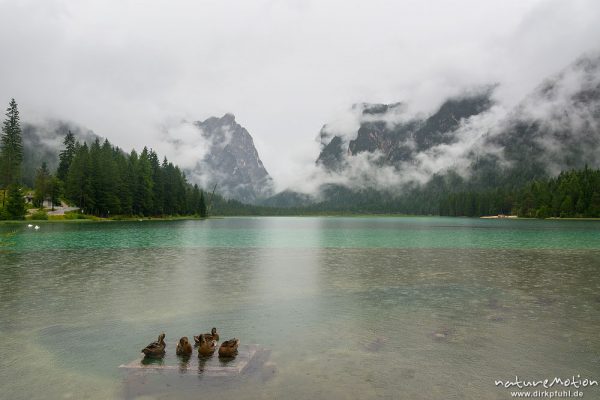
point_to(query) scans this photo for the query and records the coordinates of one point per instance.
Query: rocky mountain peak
(232, 161)
(399, 141)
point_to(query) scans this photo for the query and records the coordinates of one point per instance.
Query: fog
(140, 72)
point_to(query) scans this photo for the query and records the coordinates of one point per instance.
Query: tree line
(572, 194)
(99, 178)
(104, 181)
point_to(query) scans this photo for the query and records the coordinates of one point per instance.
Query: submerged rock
(376, 344)
(443, 334)
(268, 371)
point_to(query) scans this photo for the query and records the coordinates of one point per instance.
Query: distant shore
(92, 218)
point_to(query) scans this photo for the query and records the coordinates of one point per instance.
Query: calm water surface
(369, 308)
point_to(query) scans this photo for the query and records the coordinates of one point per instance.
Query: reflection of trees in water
(7, 241)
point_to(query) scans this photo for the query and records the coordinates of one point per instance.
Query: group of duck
(206, 343)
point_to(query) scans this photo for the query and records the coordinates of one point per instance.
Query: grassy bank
(82, 218)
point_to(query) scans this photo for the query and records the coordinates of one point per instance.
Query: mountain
(227, 155)
(287, 198)
(397, 142)
(399, 162)
(557, 127)
(42, 143)
(231, 161)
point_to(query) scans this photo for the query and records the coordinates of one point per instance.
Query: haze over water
(377, 307)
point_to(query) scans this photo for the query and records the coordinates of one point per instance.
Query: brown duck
(229, 348)
(155, 349)
(184, 348)
(213, 335)
(206, 347)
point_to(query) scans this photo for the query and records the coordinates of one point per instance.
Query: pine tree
(157, 184)
(78, 188)
(42, 185)
(104, 181)
(11, 153)
(143, 191)
(15, 203)
(54, 190)
(66, 156)
(202, 206)
(11, 150)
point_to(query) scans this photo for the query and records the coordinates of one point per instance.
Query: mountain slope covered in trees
(469, 147)
(104, 181)
(100, 179)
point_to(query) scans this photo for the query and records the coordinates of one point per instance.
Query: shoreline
(88, 219)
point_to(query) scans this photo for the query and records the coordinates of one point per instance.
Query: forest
(572, 194)
(99, 178)
(104, 181)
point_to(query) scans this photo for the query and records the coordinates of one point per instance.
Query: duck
(184, 348)
(229, 348)
(156, 349)
(36, 227)
(30, 226)
(213, 335)
(207, 347)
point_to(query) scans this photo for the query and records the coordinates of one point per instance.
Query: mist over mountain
(226, 156)
(471, 141)
(215, 151)
(557, 127)
(43, 141)
(397, 140)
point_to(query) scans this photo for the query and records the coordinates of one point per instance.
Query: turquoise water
(375, 232)
(414, 308)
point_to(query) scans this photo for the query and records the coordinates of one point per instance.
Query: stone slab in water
(211, 366)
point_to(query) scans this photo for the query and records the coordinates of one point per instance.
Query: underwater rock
(268, 371)
(376, 344)
(442, 334)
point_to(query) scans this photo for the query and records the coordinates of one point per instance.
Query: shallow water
(415, 308)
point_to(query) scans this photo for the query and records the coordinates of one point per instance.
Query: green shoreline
(88, 219)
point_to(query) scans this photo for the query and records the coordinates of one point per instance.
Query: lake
(357, 307)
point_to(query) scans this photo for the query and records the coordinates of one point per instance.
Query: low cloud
(124, 68)
(565, 110)
(184, 144)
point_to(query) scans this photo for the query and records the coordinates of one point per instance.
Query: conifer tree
(202, 206)
(143, 191)
(11, 152)
(66, 156)
(42, 185)
(15, 203)
(157, 184)
(55, 186)
(78, 188)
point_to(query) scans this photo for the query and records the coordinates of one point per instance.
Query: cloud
(123, 68)
(368, 169)
(563, 114)
(566, 108)
(186, 141)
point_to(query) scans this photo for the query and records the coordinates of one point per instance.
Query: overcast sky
(126, 69)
